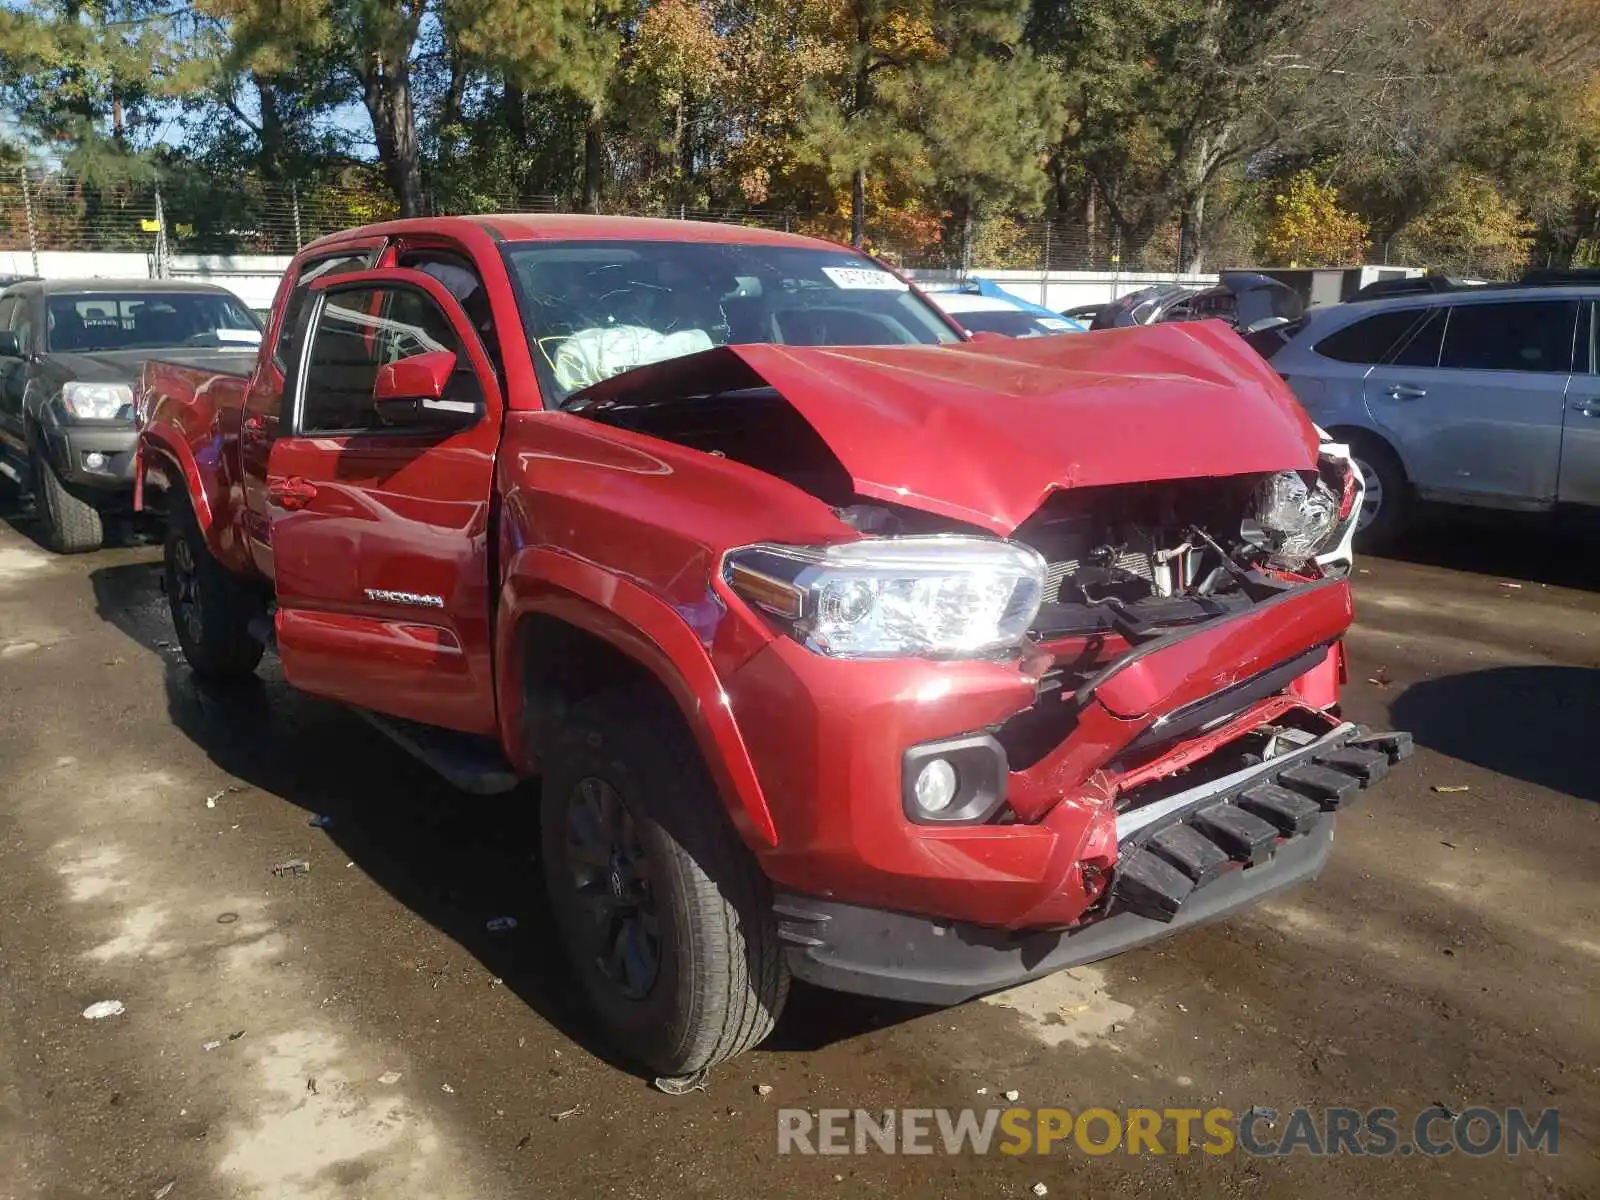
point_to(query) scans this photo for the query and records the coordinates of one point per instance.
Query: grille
(1135, 562)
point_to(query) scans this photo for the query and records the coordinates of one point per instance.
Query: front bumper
(1191, 858)
(828, 741)
(93, 456)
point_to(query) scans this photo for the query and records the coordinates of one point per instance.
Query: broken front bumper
(1185, 860)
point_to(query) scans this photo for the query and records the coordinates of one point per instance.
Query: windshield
(596, 309)
(147, 321)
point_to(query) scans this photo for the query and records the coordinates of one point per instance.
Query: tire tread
(738, 979)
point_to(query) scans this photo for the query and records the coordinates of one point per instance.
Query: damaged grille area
(1131, 541)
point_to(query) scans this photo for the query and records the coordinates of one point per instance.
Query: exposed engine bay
(1126, 558)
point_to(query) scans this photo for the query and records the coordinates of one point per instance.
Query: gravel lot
(375, 1040)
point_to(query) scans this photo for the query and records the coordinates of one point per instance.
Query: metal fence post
(161, 237)
(1044, 275)
(27, 208)
(294, 200)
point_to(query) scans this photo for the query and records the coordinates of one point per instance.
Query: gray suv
(1488, 397)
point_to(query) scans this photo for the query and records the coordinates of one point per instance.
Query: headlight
(1292, 519)
(935, 597)
(98, 401)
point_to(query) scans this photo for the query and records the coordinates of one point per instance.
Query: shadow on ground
(17, 511)
(454, 860)
(1530, 723)
(1510, 546)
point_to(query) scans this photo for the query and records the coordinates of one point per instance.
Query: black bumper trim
(1164, 883)
(897, 956)
(69, 443)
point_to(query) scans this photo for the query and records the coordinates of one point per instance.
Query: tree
(1308, 227)
(367, 48)
(78, 74)
(1471, 228)
(565, 46)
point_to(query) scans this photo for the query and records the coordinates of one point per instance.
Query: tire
(71, 525)
(1379, 464)
(211, 608)
(719, 980)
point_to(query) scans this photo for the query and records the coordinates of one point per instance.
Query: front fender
(156, 446)
(649, 631)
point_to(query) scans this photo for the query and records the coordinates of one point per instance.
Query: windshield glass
(596, 309)
(147, 321)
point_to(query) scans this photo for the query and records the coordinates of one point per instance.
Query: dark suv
(70, 351)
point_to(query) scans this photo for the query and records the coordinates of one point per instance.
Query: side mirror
(988, 335)
(410, 393)
(9, 346)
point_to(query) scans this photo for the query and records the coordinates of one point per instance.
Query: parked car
(1487, 397)
(985, 307)
(70, 351)
(1262, 310)
(1418, 285)
(1083, 314)
(847, 650)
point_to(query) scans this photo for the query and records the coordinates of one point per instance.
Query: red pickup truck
(844, 647)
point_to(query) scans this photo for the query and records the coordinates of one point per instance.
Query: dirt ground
(356, 1032)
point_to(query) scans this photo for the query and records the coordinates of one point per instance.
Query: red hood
(983, 431)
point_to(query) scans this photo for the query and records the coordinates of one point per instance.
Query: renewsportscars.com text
(1433, 1132)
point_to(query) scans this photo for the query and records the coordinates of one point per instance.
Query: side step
(473, 764)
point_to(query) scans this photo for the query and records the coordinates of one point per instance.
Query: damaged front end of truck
(1067, 678)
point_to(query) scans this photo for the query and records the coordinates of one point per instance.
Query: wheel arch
(1354, 435)
(568, 629)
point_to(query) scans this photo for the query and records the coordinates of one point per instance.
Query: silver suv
(1488, 397)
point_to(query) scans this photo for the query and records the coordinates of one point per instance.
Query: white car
(990, 314)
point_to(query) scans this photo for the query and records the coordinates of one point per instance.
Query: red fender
(156, 442)
(647, 630)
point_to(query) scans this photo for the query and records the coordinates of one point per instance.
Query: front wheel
(211, 609)
(663, 912)
(1385, 506)
(71, 525)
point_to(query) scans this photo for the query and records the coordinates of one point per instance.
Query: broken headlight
(1290, 519)
(935, 597)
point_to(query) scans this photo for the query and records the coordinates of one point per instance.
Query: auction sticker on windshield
(864, 279)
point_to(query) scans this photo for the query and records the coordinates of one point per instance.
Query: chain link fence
(43, 211)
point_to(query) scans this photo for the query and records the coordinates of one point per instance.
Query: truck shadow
(1533, 723)
(457, 861)
(121, 530)
(1502, 545)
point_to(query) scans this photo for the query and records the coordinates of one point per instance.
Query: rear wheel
(1385, 506)
(663, 911)
(211, 608)
(71, 525)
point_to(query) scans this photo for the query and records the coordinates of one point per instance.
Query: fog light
(936, 786)
(95, 461)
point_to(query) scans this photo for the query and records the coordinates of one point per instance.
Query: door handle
(1404, 391)
(1589, 407)
(253, 428)
(292, 493)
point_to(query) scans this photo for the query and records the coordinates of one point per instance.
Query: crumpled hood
(983, 431)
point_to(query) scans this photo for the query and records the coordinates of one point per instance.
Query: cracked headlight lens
(934, 597)
(1292, 519)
